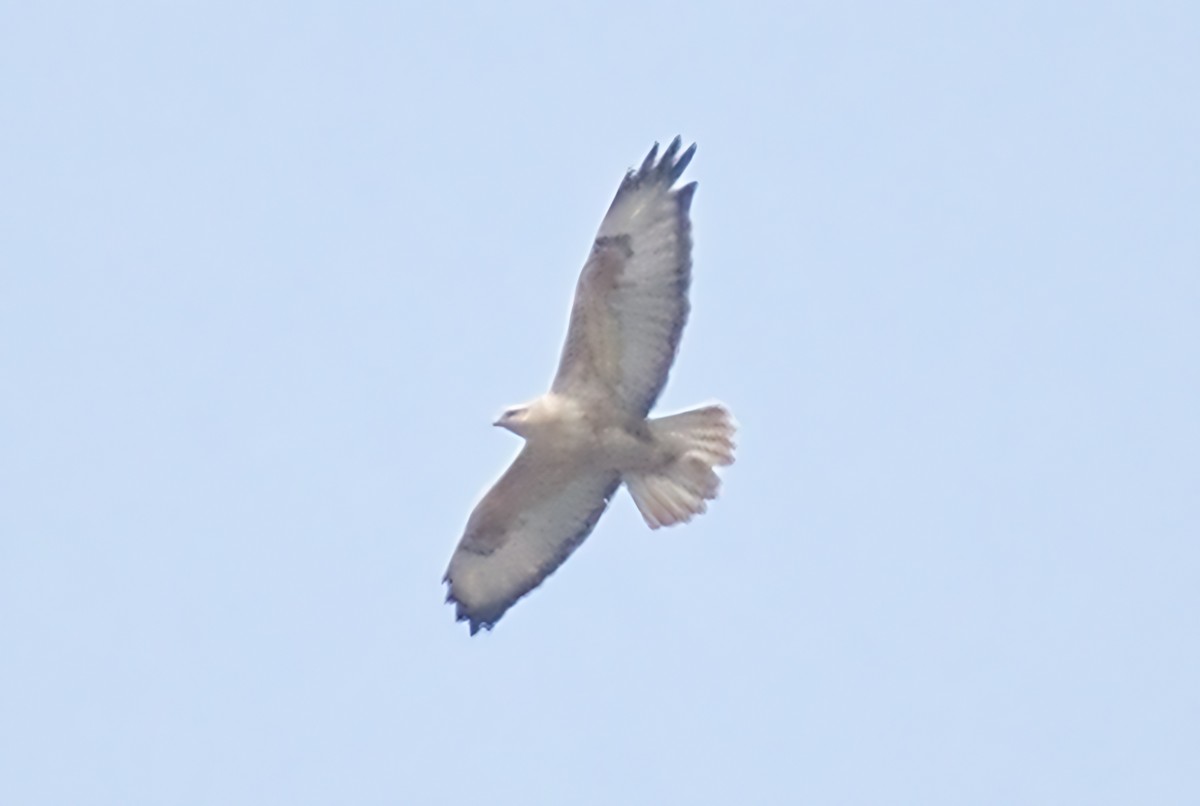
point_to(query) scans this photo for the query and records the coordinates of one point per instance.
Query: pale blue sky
(268, 273)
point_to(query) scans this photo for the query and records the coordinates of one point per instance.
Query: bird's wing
(631, 301)
(531, 520)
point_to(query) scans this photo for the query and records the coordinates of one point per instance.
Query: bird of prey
(590, 433)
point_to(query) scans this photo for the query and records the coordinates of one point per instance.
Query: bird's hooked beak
(512, 419)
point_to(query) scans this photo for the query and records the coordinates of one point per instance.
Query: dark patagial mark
(619, 243)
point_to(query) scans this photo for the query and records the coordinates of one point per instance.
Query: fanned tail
(700, 439)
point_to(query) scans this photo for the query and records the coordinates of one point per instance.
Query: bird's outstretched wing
(531, 520)
(631, 301)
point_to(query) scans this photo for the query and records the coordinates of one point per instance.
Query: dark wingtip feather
(473, 623)
(682, 163)
(666, 169)
(476, 625)
(648, 163)
(684, 196)
(667, 163)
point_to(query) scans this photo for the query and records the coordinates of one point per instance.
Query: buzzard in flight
(590, 433)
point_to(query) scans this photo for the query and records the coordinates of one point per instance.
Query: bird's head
(515, 419)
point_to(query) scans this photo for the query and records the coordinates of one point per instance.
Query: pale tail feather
(702, 438)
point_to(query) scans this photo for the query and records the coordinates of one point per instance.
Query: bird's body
(591, 432)
(562, 427)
